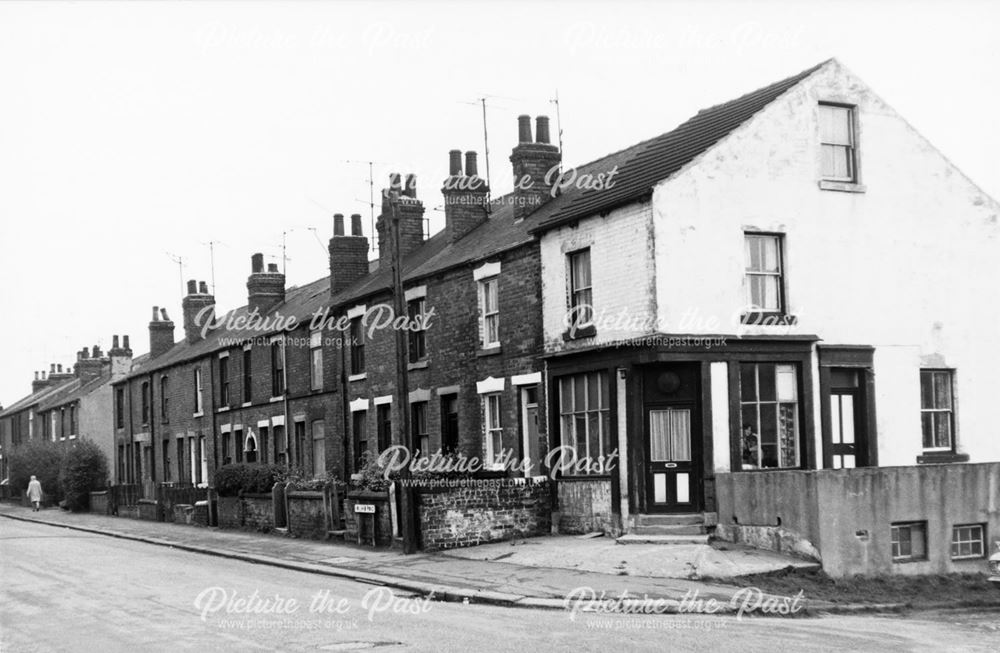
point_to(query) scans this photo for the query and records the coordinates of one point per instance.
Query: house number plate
(365, 507)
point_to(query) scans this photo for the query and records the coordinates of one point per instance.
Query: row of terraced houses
(773, 323)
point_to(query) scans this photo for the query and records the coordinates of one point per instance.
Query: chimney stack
(120, 358)
(161, 333)
(411, 220)
(198, 308)
(90, 367)
(265, 290)
(40, 382)
(533, 161)
(348, 254)
(466, 197)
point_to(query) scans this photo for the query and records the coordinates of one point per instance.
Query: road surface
(63, 590)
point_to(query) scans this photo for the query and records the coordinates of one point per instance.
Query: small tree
(84, 469)
(39, 458)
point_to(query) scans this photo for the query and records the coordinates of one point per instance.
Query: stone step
(670, 520)
(670, 529)
(662, 539)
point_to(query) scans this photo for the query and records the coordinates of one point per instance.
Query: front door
(673, 439)
(848, 435)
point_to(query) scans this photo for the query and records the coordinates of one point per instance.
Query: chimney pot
(36, 375)
(542, 129)
(97, 352)
(52, 368)
(272, 267)
(59, 368)
(43, 375)
(338, 224)
(257, 263)
(125, 342)
(524, 129)
(471, 167)
(455, 163)
(114, 342)
(163, 313)
(356, 224)
(192, 286)
(395, 182)
(156, 314)
(411, 186)
(203, 287)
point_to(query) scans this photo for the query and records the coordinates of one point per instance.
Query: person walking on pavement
(35, 492)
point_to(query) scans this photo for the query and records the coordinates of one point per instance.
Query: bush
(84, 469)
(41, 458)
(305, 481)
(247, 478)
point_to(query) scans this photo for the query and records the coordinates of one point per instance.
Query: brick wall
(99, 503)
(383, 519)
(252, 512)
(459, 517)
(305, 515)
(453, 353)
(585, 506)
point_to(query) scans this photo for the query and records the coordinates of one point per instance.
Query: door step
(633, 538)
(670, 520)
(670, 529)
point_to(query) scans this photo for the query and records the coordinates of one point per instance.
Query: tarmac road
(63, 590)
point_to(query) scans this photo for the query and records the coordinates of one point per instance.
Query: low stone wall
(585, 506)
(149, 510)
(99, 503)
(252, 512)
(489, 511)
(383, 518)
(306, 516)
(128, 512)
(846, 515)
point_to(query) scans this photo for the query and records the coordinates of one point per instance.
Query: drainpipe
(345, 413)
(284, 382)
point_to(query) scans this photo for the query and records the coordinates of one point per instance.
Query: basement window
(909, 541)
(968, 541)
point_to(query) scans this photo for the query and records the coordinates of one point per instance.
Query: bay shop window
(770, 427)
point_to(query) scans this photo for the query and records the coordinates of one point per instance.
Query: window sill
(62, 439)
(274, 400)
(198, 414)
(579, 333)
(357, 377)
(245, 404)
(938, 457)
(72, 437)
(842, 186)
(488, 351)
(419, 365)
(768, 318)
(907, 561)
(223, 409)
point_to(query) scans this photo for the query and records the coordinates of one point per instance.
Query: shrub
(247, 478)
(38, 457)
(84, 469)
(305, 481)
(371, 476)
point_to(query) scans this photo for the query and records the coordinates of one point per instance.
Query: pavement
(538, 572)
(67, 590)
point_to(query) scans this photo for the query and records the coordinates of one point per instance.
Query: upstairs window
(198, 405)
(316, 360)
(764, 281)
(357, 347)
(581, 299)
(489, 312)
(838, 138)
(417, 335)
(277, 368)
(224, 381)
(145, 402)
(937, 412)
(247, 377)
(164, 398)
(120, 408)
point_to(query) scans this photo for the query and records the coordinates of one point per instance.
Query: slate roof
(73, 390)
(646, 164)
(640, 166)
(34, 398)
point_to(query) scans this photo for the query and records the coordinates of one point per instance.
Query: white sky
(130, 130)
